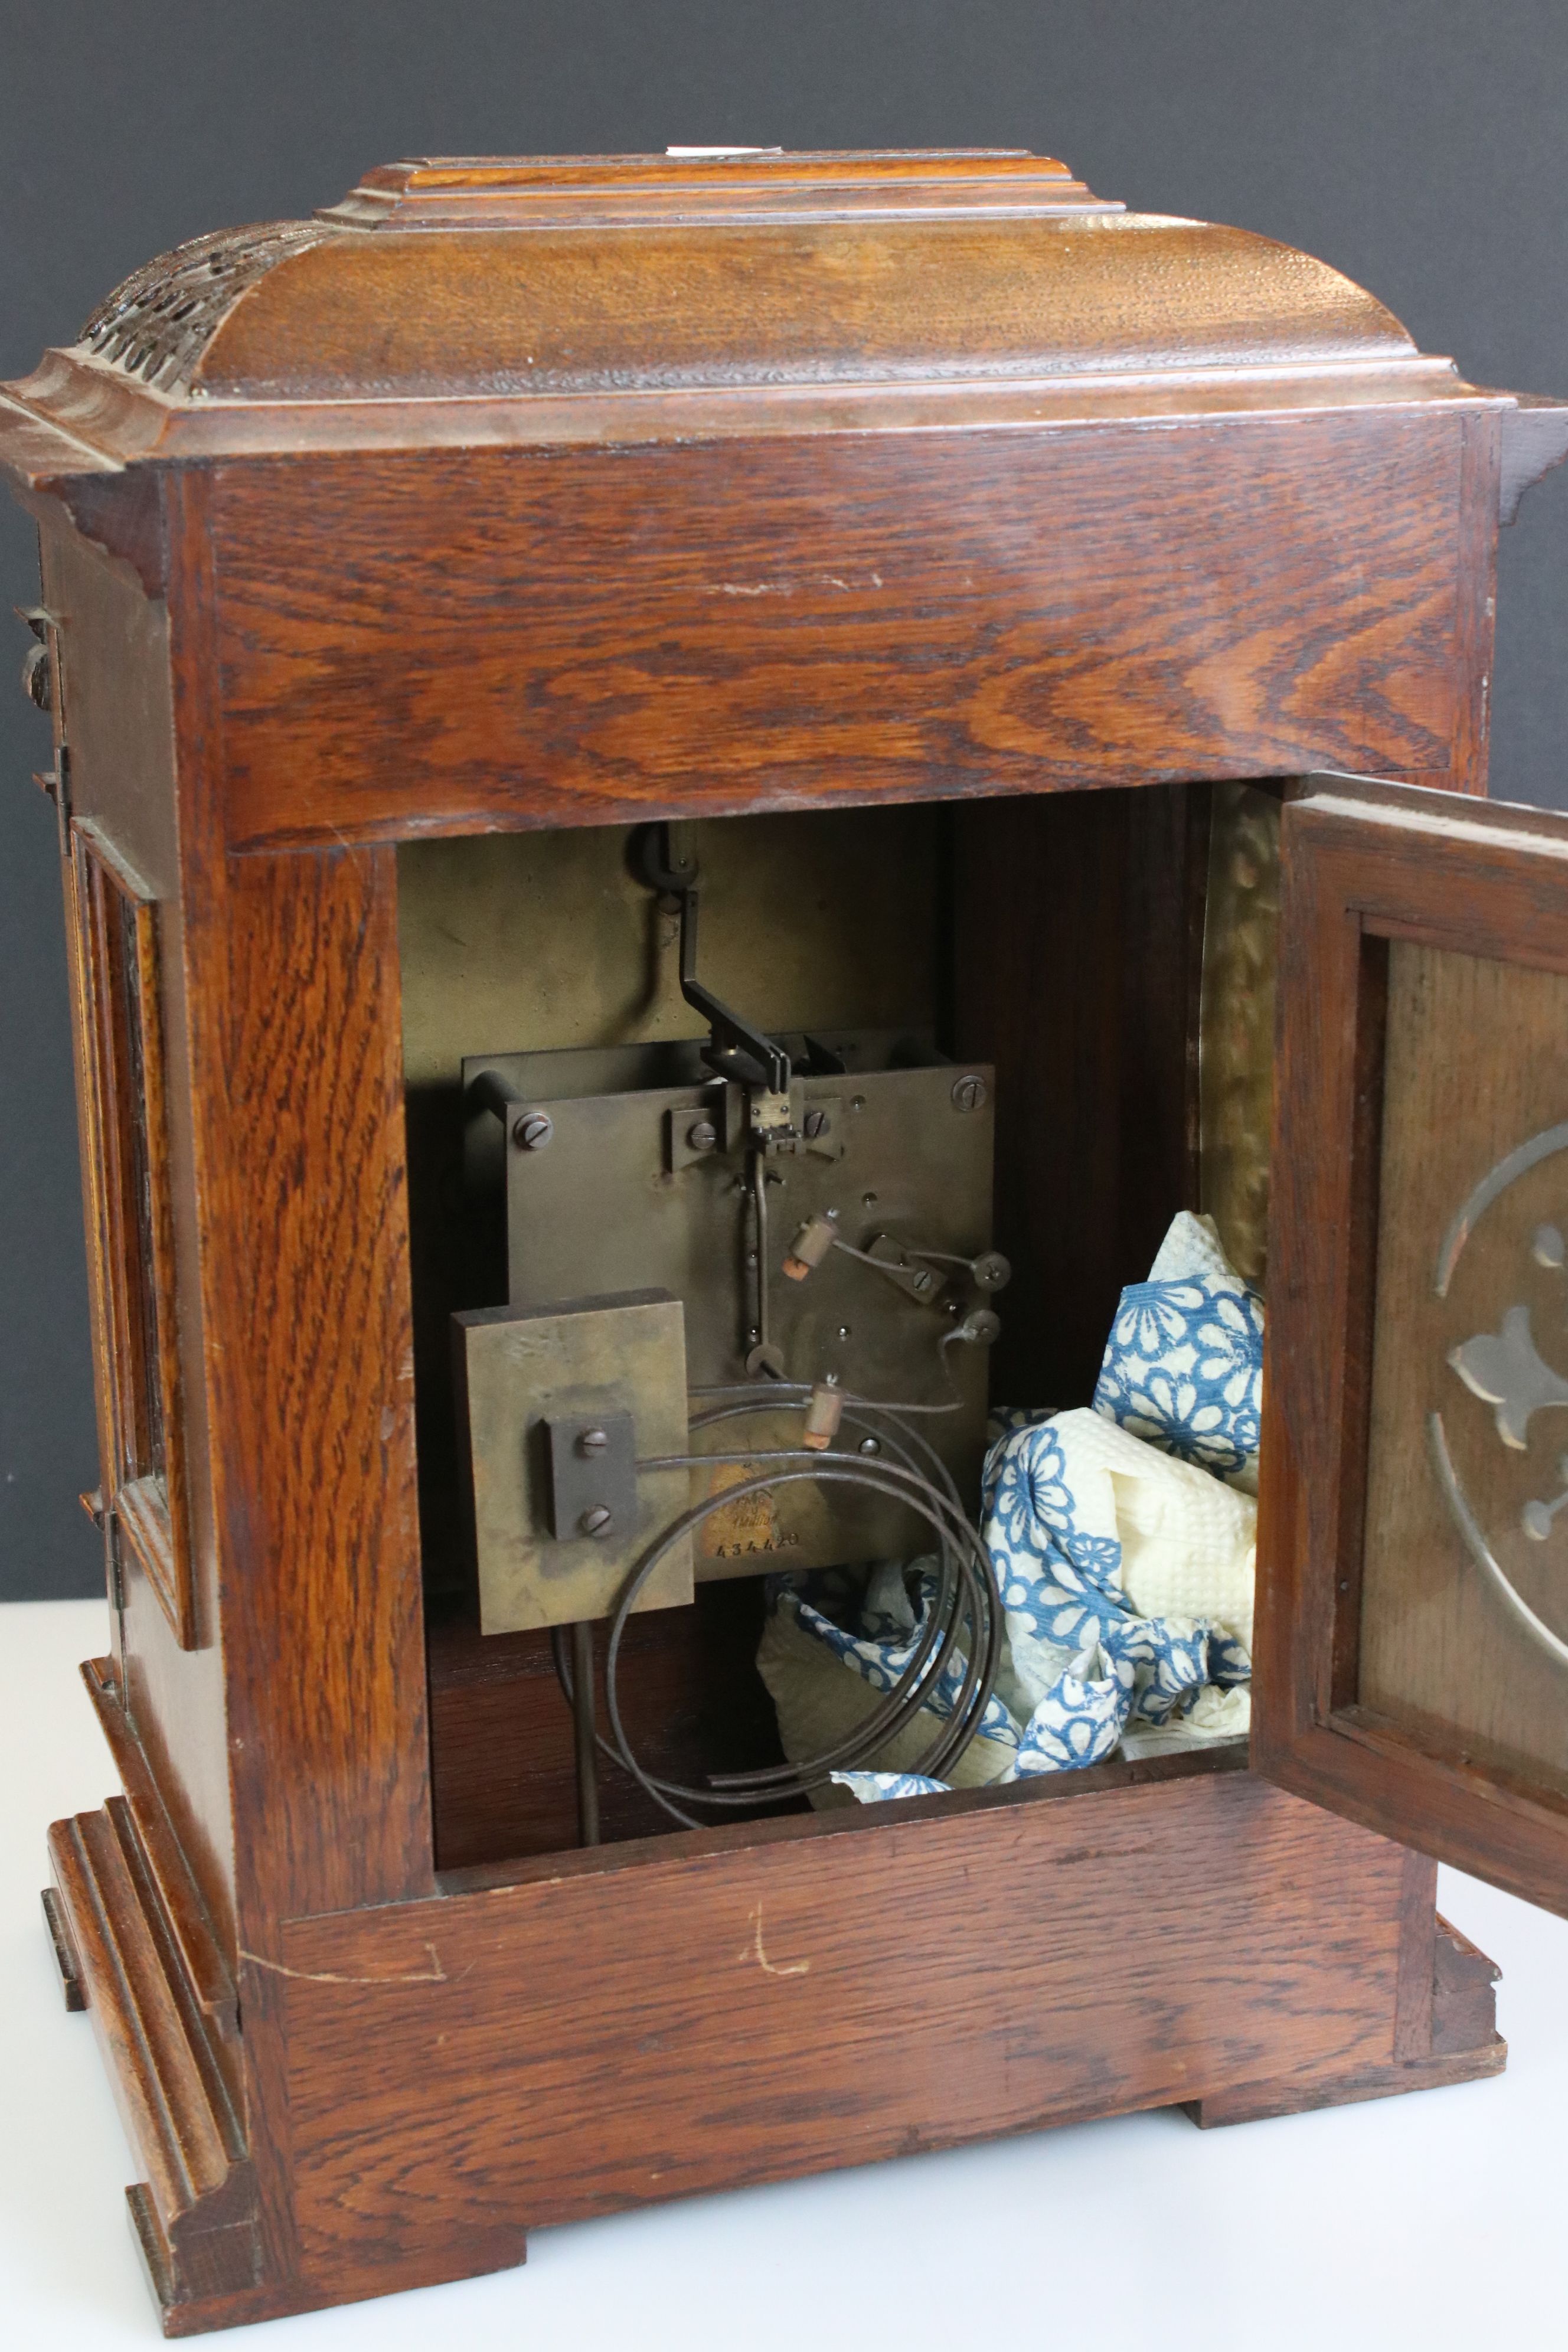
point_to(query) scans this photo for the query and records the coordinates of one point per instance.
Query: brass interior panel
(1464, 1624)
(531, 940)
(1236, 1051)
(603, 1356)
(545, 941)
(606, 1204)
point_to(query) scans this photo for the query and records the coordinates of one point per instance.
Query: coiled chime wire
(966, 1597)
(943, 1625)
(779, 1783)
(903, 1701)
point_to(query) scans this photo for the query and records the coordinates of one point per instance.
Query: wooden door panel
(1413, 1631)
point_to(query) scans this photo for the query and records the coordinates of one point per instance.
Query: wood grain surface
(296, 1092)
(692, 2055)
(449, 191)
(1076, 958)
(536, 308)
(1370, 863)
(126, 1063)
(171, 2076)
(311, 1389)
(116, 701)
(590, 637)
(1444, 2028)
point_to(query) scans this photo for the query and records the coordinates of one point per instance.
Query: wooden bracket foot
(1460, 2044)
(64, 1951)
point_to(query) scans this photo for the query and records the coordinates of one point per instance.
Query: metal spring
(966, 1597)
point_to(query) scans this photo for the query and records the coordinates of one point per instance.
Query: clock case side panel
(115, 768)
(281, 1020)
(280, 1766)
(142, 1899)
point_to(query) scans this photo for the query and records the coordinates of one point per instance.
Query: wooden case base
(447, 2074)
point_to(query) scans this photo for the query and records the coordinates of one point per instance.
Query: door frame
(1364, 863)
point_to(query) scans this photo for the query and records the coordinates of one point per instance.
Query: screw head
(598, 1521)
(703, 1135)
(869, 1445)
(970, 1092)
(920, 1282)
(533, 1131)
(816, 1123)
(592, 1441)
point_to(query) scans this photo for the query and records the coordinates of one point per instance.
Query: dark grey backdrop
(1417, 144)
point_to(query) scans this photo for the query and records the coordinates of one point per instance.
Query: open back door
(1412, 1666)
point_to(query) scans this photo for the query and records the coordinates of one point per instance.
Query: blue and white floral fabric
(883, 1630)
(1105, 1549)
(871, 1786)
(1126, 1579)
(1125, 1566)
(866, 1622)
(1183, 1365)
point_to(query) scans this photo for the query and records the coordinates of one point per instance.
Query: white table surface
(1431, 2221)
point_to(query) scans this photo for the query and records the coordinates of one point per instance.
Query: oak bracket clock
(696, 797)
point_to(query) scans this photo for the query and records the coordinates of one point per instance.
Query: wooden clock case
(514, 501)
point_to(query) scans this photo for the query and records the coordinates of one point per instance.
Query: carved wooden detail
(157, 324)
(760, 295)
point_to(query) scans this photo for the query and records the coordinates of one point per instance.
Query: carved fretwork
(159, 322)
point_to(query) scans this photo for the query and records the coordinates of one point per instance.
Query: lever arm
(763, 1061)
